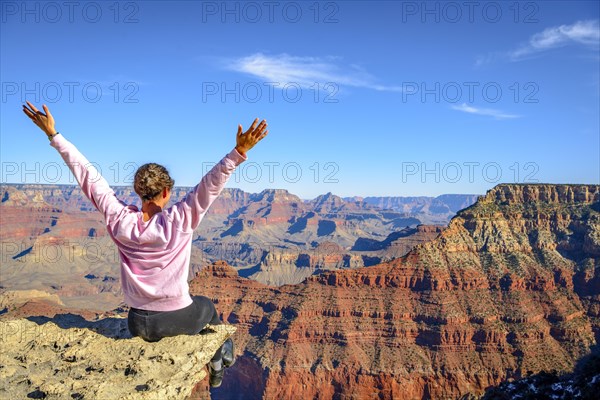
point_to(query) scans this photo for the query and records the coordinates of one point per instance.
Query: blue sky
(362, 98)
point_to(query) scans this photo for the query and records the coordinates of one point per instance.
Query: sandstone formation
(511, 287)
(48, 360)
(16, 298)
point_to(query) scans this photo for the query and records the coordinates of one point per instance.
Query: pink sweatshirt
(155, 255)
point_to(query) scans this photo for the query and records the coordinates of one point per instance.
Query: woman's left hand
(44, 121)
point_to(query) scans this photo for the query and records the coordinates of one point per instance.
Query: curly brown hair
(150, 179)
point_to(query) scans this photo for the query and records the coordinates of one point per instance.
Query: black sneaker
(215, 377)
(228, 353)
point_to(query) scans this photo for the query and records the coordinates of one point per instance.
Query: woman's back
(154, 255)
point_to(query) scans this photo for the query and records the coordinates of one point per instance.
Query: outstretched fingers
(260, 129)
(253, 126)
(48, 115)
(32, 107)
(254, 134)
(27, 111)
(32, 115)
(32, 112)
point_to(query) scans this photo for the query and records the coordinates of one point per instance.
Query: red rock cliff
(511, 286)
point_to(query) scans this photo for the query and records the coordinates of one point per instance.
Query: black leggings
(155, 325)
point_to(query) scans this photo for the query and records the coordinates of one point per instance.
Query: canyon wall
(510, 288)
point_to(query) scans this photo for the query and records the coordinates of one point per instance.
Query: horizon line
(323, 194)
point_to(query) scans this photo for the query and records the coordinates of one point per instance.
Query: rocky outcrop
(401, 242)
(16, 298)
(51, 360)
(583, 383)
(524, 195)
(509, 288)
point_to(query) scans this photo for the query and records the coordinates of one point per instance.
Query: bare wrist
(239, 150)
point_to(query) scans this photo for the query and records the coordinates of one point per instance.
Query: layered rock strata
(511, 287)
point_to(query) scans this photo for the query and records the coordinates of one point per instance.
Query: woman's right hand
(246, 141)
(44, 121)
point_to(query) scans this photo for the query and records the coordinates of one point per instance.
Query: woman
(155, 242)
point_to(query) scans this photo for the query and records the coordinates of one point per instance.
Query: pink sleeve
(190, 210)
(93, 185)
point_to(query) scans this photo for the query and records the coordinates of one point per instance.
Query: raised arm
(93, 185)
(192, 208)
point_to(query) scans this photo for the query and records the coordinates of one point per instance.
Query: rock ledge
(47, 361)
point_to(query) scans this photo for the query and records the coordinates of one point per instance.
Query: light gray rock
(82, 363)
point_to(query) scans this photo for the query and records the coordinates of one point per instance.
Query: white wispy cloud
(581, 32)
(484, 111)
(586, 33)
(305, 71)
